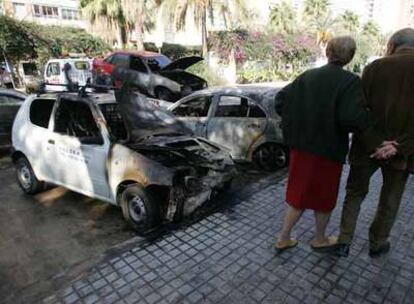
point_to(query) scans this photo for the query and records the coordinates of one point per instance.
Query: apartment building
(62, 12)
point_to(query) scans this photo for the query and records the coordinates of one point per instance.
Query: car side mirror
(91, 140)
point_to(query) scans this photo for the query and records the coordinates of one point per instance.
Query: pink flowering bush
(262, 56)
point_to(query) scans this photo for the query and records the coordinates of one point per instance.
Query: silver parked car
(241, 118)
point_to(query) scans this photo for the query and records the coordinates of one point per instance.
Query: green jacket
(319, 110)
(388, 85)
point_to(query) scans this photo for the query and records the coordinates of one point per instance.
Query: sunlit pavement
(228, 258)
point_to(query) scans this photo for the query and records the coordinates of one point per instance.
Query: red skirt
(313, 181)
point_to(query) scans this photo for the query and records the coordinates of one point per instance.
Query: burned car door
(40, 135)
(194, 113)
(237, 123)
(81, 149)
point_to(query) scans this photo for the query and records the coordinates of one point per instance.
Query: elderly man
(319, 109)
(388, 86)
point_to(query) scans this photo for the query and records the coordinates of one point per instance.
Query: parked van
(66, 72)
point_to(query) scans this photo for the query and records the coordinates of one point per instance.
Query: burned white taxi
(121, 150)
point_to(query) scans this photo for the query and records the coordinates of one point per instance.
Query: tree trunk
(119, 36)
(139, 26)
(139, 34)
(204, 34)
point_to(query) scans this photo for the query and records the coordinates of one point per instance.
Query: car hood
(143, 120)
(183, 63)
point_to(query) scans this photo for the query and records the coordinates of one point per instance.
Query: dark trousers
(394, 182)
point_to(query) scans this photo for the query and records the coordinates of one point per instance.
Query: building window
(45, 11)
(19, 10)
(69, 14)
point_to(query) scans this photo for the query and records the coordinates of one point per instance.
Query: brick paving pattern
(227, 257)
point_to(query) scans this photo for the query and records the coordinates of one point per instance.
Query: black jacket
(319, 110)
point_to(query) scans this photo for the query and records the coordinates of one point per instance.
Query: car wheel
(139, 210)
(271, 157)
(26, 178)
(164, 94)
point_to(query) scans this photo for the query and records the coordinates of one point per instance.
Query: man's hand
(387, 150)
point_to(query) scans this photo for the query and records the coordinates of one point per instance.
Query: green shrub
(174, 51)
(26, 40)
(202, 70)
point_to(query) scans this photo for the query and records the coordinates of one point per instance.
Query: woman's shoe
(281, 246)
(327, 245)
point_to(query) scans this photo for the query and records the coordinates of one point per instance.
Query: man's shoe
(342, 250)
(383, 249)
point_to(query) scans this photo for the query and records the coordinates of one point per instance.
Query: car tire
(271, 157)
(164, 94)
(139, 209)
(26, 178)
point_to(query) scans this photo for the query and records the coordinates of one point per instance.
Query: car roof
(95, 98)
(68, 59)
(263, 94)
(13, 93)
(138, 53)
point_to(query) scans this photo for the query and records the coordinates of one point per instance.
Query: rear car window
(232, 106)
(121, 60)
(157, 63)
(53, 69)
(40, 111)
(82, 65)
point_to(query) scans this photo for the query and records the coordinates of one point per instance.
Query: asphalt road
(48, 239)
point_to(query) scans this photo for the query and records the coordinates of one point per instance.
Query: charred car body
(159, 76)
(125, 151)
(241, 118)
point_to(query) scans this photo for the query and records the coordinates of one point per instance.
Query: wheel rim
(272, 156)
(137, 209)
(25, 177)
(280, 157)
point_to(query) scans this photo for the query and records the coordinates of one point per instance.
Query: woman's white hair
(341, 50)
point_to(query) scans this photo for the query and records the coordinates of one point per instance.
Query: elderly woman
(319, 110)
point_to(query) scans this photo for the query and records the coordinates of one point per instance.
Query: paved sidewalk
(227, 257)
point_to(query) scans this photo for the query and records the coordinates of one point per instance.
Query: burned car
(241, 118)
(10, 102)
(119, 149)
(160, 77)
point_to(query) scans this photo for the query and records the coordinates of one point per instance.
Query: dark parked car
(10, 102)
(160, 77)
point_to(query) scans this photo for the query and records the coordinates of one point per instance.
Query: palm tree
(105, 13)
(233, 13)
(350, 22)
(283, 18)
(316, 8)
(371, 29)
(139, 15)
(319, 18)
